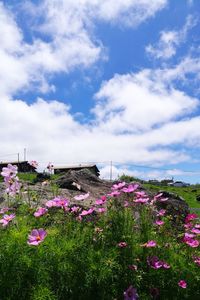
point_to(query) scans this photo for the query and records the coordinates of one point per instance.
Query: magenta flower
(122, 244)
(40, 212)
(12, 185)
(182, 284)
(87, 212)
(36, 236)
(33, 163)
(159, 222)
(192, 243)
(150, 244)
(190, 217)
(197, 260)
(133, 267)
(195, 230)
(155, 263)
(131, 294)
(114, 194)
(141, 200)
(141, 194)
(4, 210)
(63, 203)
(197, 226)
(161, 212)
(131, 188)
(6, 219)
(118, 186)
(50, 203)
(9, 171)
(101, 201)
(75, 209)
(82, 197)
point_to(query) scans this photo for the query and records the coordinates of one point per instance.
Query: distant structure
(23, 166)
(179, 184)
(64, 169)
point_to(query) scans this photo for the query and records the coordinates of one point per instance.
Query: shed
(63, 169)
(23, 166)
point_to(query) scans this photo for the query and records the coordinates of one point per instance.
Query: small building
(23, 166)
(63, 169)
(179, 184)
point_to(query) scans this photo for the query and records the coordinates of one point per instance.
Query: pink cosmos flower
(141, 194)
(131, 188)
(122, 244)
(159, 222)
(141, 200)
(133, 267)
(87, 212)
(197, 260)
(114, 194)
(188, 235)
(161, 212)
(33, 163)
(75, 208)
(9, 171)
(182, 284)
(40, 212)
(190, 217)
(197, 226)
(150, 244)
(118, 185)
(50, 203)
(82, 197)
(12, 185)
(4, 210)
(192, 242)
(101, 201)
(61, 202)
(155, 263)
(36, 236)
(131, 294)
(195, 230)
(6, 219)
(165, 265)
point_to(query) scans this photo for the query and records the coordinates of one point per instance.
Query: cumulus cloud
(132, 113)
(170, 40)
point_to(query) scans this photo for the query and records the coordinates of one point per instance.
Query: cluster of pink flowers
(155, 263)
(122, 245)
(7, 219)
(58, 202)
(11, 180)
(40, 212)
(192, 231)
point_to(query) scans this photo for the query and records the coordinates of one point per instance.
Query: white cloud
(170, 40)
(127, 106)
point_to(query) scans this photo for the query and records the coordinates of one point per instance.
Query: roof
(75, 166)
(13, 162)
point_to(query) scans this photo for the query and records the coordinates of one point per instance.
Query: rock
(175, 206)
(84, 181)
(41, 177)
(198, 198)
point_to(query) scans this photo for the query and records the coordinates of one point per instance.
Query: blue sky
(102, 80)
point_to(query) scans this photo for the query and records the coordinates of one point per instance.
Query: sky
(102, 80)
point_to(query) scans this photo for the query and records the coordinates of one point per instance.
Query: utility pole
(111, 170)
(18, 157)
(24, 154)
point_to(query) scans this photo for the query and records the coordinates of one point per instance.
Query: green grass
(187, 193)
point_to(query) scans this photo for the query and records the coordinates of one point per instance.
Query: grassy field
(187, 193)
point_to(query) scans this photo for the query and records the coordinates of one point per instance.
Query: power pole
(111, 170)
(24, 154)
